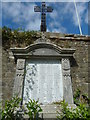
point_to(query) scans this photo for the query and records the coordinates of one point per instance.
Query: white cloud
(44, 0)
(33, 25)
(21, 13)
(68, 10)
(54, 14)
(57, 27)
(86, 18)
(81, 8)
(11, 0)
(0, 14)
(11, 10)
(59, 30)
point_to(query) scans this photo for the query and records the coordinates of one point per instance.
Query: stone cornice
(46, 47)
(65, 36)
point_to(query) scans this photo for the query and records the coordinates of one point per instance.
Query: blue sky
(63, 19)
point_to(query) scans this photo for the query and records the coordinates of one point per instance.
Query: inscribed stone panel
(43, 81)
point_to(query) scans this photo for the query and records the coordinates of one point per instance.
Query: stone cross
(43, 9)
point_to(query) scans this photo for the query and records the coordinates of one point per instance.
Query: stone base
(50, 112)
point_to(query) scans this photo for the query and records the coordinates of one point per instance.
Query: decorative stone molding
(42, 39)
(19, 79)
(65, 64)
(67, 84)
(20, 64)
(44, 50)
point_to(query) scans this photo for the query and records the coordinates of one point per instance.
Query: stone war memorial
(50, 69)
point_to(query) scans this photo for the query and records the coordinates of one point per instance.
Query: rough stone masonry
(79, 65)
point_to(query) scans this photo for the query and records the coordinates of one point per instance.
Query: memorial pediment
(42, 49)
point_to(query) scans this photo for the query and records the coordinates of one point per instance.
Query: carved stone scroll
(18, 83)
(67, 84)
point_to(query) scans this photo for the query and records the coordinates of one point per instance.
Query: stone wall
(8, 74)
(79, 65)
(0, 71)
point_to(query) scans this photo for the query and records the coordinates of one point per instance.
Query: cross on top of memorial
(43, 9)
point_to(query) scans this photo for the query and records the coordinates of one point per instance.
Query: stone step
(50, 111)
(50, 108)
(48, 115)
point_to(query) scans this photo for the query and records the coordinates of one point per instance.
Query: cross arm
(49, 9)
(37, 9)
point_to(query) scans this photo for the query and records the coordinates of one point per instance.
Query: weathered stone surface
(67, 84)
(8, 75)
(45, 93)
(19, 78)
(0, 73)
(50, 111)
(79, 65)
(43, 80)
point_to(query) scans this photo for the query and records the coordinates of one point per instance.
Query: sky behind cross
(63, 19)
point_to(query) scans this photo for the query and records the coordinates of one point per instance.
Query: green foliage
(81, 111)
(6, 36)
(81, 98)
(8, 112)
(66, 112)
(77, 97)
(17, 37)
(0, 30)
(73, 113)
(33, 109)
(12, 109)
(0, 109)
(57, 103)
(86, 99)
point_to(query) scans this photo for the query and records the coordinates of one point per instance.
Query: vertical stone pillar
(19, 79)
(67, 84)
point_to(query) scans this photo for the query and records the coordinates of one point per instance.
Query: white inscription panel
(43, 81)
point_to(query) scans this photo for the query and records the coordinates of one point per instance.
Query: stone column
(67, 84)
(19, 79)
